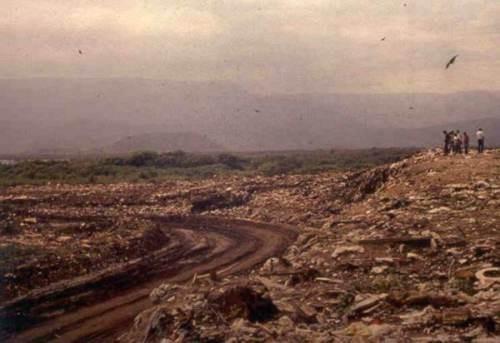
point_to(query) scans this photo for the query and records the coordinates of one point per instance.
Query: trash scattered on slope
(410, 250)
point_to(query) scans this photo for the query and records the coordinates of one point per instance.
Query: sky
(264, 46)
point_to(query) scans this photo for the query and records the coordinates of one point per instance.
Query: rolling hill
(164, 142)
(81, 115)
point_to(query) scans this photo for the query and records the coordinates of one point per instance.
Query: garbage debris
(243, 302)
(404, 251)
(216, 200)
(488, 276)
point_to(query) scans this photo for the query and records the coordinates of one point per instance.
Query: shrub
(142, 159)
(281, 165)
(231, 161)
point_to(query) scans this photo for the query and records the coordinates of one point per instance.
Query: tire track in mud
(230, 246)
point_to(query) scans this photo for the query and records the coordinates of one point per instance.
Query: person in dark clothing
(459, 142)
(447, 142)
(466, 143)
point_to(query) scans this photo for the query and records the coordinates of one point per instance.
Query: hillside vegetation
(155, 167)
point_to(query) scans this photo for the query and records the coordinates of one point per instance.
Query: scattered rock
(487, 277)
(164, 291)
(361, 330)
(369, 301)
(347, 249)
(481, 185)
(379, 270)
(439, 210)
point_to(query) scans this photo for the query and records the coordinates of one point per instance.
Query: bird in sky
(383, 39)
(257, 111)
(80, 52)
(450, 62)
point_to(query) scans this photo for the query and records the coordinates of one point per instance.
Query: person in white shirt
(480, 140)
(457, 144)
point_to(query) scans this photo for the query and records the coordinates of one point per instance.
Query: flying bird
(411, 107)
(450, 62)
(80, 52)
(383, 38)
(257, 111)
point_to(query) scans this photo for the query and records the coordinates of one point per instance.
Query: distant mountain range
(432, 136)
(118, 115)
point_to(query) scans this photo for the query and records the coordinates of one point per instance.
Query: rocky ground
(403, 251)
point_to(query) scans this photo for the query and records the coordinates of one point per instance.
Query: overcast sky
(268, 46)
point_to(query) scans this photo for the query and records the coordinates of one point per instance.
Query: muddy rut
(101, 306)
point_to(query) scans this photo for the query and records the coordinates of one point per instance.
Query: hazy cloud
(266, 46)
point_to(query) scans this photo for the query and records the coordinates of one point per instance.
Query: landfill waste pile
(404, 251)
(408, 252)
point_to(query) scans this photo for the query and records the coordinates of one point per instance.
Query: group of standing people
(456, 142)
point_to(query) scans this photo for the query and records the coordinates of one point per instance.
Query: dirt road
(103, 304)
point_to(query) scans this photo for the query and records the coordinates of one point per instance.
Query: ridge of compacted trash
(403, 252)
